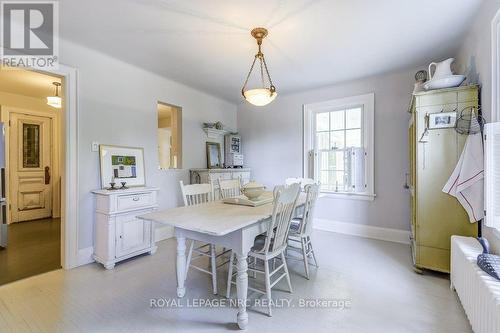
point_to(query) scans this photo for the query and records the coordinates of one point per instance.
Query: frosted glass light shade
(54, 101)
(259, 97)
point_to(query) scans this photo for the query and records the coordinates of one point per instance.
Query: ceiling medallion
(264, 95)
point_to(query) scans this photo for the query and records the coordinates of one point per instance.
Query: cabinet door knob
(135, 198)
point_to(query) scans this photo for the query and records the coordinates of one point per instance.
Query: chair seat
(295, 225)
(259, 243)
(258, 247)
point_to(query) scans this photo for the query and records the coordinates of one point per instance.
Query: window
(31, 145)
(492, 175)
(338, 146)
(169, 136)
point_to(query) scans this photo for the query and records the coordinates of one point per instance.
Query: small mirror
(213, 155)
(169, 136)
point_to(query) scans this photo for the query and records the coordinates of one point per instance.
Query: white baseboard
(163, 232)
(85, 256)
(362, 230)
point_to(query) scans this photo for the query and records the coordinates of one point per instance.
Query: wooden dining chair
(196, 194)
(300, 229)
(272, 245)
(302, 181)
(229, 188)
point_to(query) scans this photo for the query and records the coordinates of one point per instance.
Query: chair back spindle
(196, 194)
(312, 192)
(229, 188)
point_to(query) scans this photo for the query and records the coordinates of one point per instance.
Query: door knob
(406, 185)
(47, 175)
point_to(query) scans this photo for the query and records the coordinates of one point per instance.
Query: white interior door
(30, 167)
(164, 146)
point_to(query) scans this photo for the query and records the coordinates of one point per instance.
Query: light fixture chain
(262, 72)
(267, 71)
(248, 76)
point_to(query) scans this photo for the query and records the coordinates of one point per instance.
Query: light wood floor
(376, 276)
(34, 247)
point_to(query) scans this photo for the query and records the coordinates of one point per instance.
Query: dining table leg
(241, 289)
(181, 265)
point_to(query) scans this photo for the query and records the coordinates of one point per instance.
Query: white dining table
(231, 226)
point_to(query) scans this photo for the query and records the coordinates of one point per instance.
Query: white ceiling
(27, 83)
(207, 44)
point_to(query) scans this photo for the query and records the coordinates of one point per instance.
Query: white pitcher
(442, 69)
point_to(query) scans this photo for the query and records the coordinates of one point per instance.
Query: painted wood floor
(376, 277)
(33, 247)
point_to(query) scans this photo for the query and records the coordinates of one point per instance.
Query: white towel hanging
(467, 180)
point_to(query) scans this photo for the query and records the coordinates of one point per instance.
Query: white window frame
(368, 103)
(495, 68)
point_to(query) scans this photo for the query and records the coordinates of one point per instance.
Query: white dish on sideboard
(444, 82)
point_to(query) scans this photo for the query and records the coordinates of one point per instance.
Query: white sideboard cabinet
(119, 234)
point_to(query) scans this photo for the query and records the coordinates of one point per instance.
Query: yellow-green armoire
(433, 155)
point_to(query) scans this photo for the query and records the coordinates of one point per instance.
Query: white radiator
(478, 292)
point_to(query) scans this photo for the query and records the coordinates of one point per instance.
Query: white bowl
(444, 82)
(253, 190)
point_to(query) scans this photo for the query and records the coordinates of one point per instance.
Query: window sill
(348, 196)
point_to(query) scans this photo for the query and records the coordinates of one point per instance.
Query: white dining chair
(302, 181)
(229, 188)
(196, 194)
(300, 229)
(272, 245)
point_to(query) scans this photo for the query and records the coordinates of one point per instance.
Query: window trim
(495, 68)
(368, 103)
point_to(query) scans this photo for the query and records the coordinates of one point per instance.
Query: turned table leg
(181, 265)
(241, 288)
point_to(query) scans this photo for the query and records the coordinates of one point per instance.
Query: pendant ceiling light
(264, 95)
(55, 101)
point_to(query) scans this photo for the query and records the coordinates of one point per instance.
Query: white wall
(117, 105)
(474, 59)
(272, 146)
(474, 56)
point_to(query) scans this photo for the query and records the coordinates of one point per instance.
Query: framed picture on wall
(121, 164)
(442, 120)
(214, 159)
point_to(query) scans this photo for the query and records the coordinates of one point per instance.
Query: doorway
(169, 136)
(32, 132)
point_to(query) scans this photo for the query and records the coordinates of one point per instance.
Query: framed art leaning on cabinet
(122, 165)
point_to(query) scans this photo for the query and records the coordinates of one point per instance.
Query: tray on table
(265, 198)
